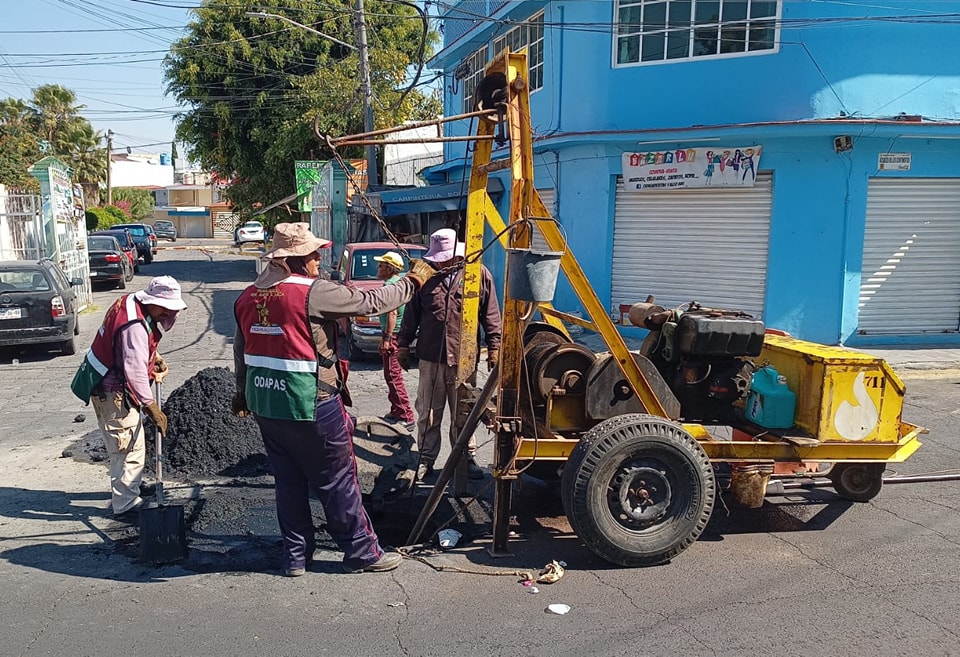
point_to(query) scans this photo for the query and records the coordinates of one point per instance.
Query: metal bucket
(532, 274)
(748, 483)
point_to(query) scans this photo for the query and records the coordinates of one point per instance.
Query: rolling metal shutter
(538, 243)
(705, 245)
(910, 277)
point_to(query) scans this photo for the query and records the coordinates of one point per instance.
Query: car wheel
(356, 353)
(147, 258)
(68, 347)
(76, 326)
(122, 283)
(136, 268)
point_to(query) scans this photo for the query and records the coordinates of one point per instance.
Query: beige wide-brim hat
(290, 240)
(294, 239)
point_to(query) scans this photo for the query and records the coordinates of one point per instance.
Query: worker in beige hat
(290, 379)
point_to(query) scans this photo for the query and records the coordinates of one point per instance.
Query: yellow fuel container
(842, 395)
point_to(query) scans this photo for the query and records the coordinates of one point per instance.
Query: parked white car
(252, 231)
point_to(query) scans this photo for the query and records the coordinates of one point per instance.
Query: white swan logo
(856, 422)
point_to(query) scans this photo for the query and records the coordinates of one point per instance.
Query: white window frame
(478, 62)
(720, 25)
(529, 35)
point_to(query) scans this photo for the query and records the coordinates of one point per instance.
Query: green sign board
(308, 175)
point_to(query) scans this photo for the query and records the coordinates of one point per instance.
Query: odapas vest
(99, 358)
(279, 351)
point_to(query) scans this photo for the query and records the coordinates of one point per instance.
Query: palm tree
(55, 109)
(79, 146)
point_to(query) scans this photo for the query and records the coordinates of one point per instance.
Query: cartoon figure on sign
(856, 422)
(734, 162)
(747, 164)
(708, 172)
(724, 160)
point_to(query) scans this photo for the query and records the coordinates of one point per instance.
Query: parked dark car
(108, 262)
(165, 230)
(142, 237)
(153, 238)
(38, 304)
(125, 237)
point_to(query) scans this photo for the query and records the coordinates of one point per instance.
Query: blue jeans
(318, 456)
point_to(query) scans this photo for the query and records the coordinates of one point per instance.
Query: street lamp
(371, 153)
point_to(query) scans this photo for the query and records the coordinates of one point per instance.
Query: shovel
(163, 532)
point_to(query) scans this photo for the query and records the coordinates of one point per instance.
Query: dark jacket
(433, 317)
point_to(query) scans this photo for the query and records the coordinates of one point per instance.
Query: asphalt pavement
(808, 573)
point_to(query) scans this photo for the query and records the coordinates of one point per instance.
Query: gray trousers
(437, 388)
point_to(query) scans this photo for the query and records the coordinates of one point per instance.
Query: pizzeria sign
(691, 168)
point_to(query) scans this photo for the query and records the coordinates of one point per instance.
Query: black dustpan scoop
(163, 532)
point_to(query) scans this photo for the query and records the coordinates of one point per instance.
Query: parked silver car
(165, 230)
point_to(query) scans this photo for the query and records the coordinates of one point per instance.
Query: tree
(138, 202)
(19, 146)
(253, 87)
(49, 124)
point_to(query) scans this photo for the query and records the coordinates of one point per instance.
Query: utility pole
(372, 177)
(109, 151)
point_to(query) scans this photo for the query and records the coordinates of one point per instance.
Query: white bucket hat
(163, 291)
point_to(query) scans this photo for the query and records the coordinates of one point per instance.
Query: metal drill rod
(777, 486)
(469, 426)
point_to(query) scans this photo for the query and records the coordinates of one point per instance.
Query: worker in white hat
(116, 376)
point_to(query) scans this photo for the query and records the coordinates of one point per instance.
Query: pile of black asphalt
(204, 438)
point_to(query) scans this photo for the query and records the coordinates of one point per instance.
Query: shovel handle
(159, 448)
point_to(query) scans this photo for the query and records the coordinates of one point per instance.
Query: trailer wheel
(857, 482)
(638, 490)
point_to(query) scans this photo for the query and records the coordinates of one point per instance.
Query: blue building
(796, 160)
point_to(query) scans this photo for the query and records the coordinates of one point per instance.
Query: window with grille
(527, 35)
(650, 31)
(476, 62)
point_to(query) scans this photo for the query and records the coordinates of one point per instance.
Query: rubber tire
(857, 482)
(76, 326)
(68, 347)
(599, 455)
(356, 353)
(147, 258)
(122, 283)
(136, 267)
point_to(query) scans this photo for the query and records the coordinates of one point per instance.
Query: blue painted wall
(831, 76)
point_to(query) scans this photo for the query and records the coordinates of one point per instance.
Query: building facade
(795, 160)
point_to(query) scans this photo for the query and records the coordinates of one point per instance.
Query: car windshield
(164, 225)
(137, 230)
(23, 280)
(253, 225)
(364, 267)
(102, 244)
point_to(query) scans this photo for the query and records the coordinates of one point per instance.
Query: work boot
(424, 470)
(474, 471)
(389, 561)
(393, 419)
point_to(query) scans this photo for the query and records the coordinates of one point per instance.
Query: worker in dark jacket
(433, 318)
(288, 376)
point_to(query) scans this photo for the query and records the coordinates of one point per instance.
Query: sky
(109, 52)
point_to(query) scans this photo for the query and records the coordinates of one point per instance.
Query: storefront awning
(433, 198)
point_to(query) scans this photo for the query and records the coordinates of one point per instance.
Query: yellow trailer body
(842, 395)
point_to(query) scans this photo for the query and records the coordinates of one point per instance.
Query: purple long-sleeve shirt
(131, 357)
